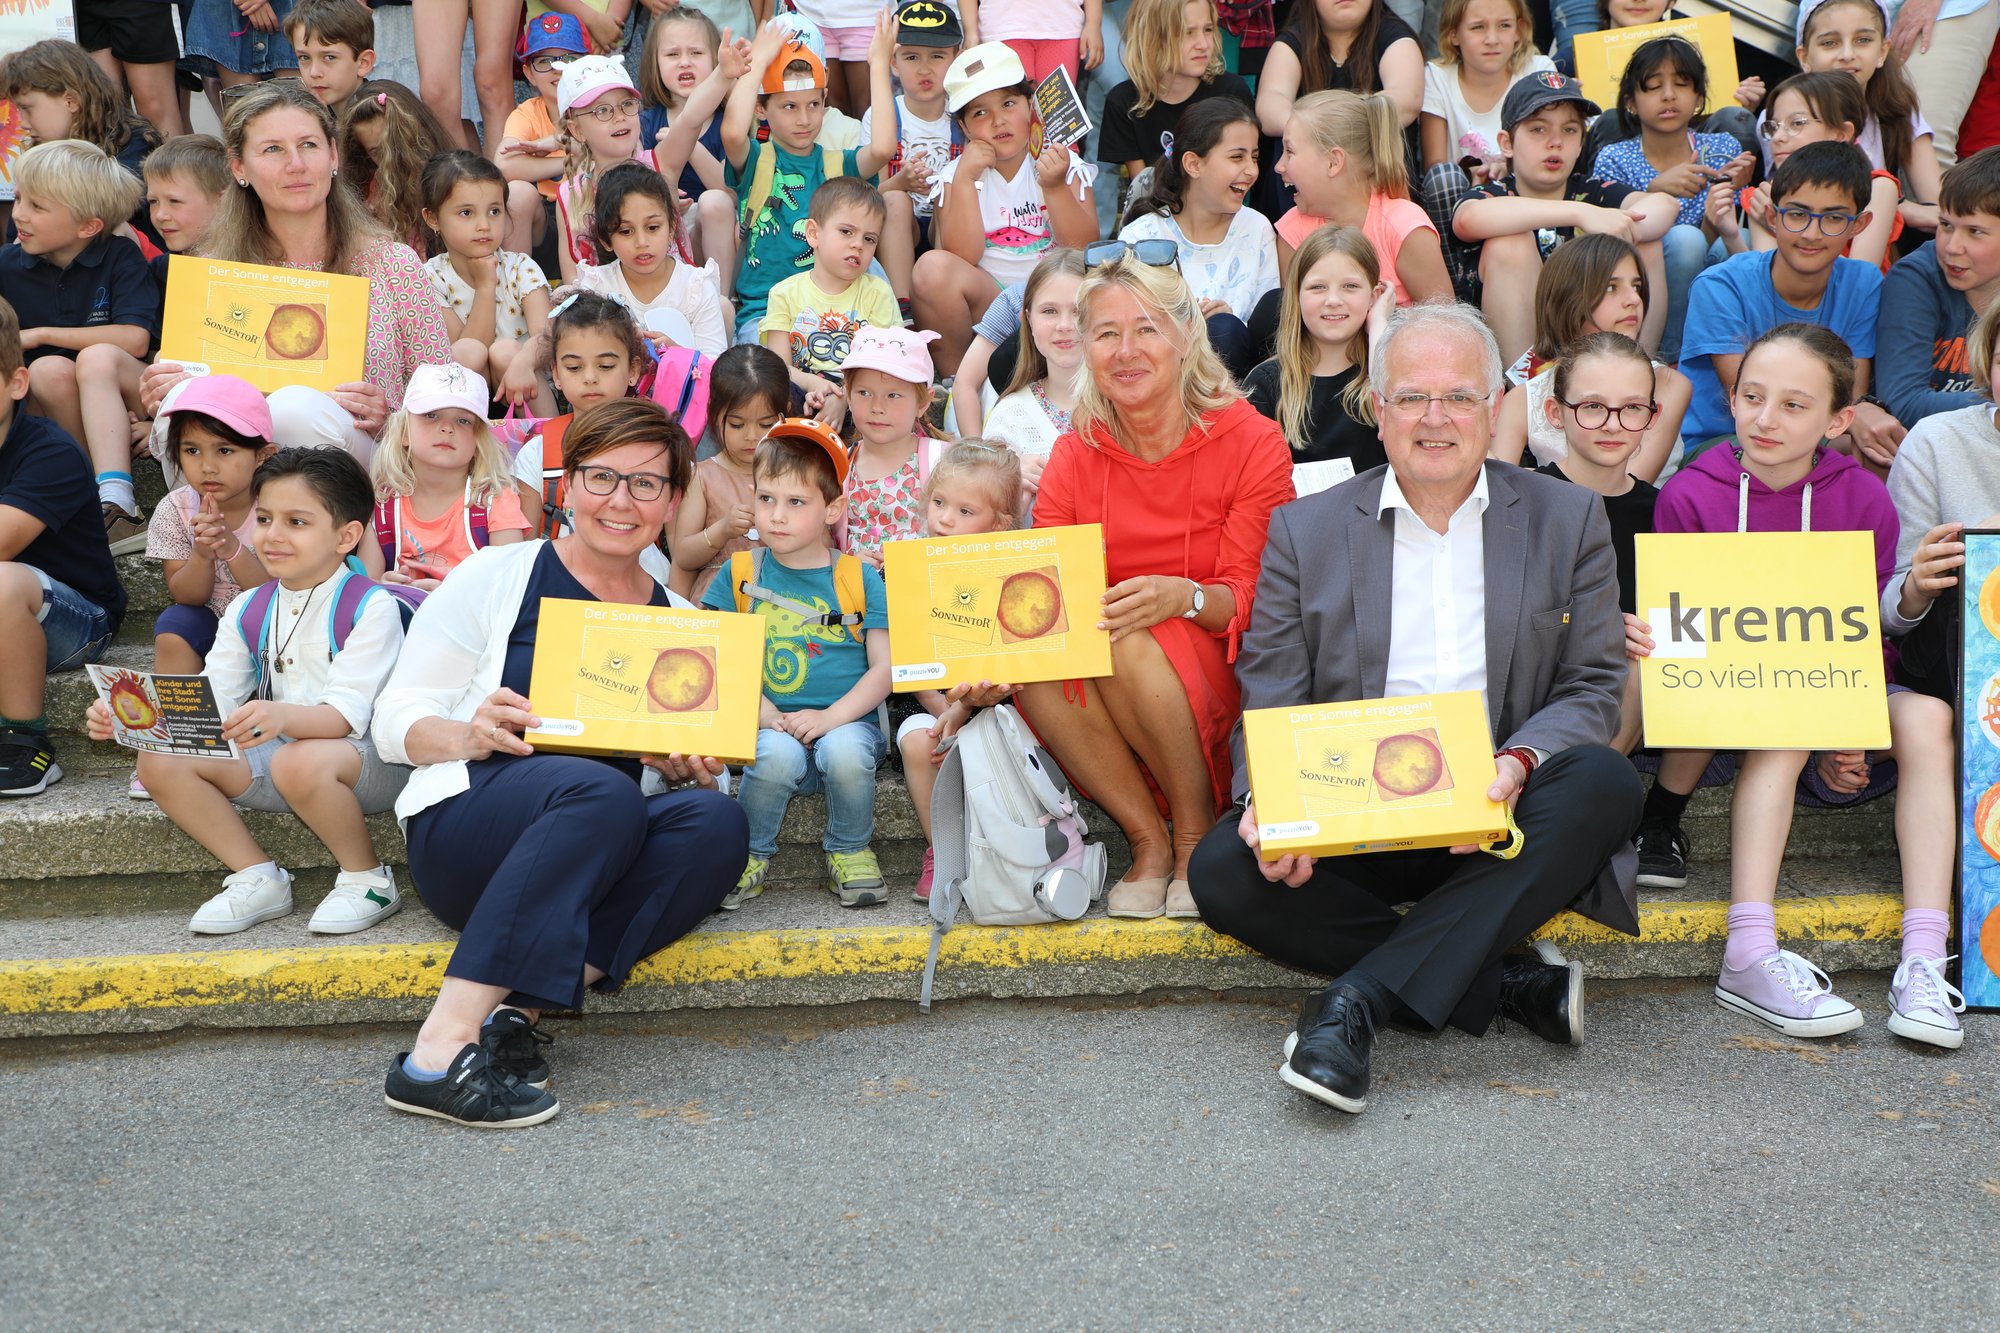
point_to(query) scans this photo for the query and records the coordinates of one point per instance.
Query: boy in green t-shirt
(786, 86)
(826, 662)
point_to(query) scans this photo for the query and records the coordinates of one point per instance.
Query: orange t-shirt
(531, 120)
(445, 542)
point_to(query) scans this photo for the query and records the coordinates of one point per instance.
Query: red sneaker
(922, 892)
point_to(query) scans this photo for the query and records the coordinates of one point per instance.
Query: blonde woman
(1183, 474)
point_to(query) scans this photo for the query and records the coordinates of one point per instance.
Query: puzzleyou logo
(1682, 631)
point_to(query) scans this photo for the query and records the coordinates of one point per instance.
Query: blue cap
(554, 32)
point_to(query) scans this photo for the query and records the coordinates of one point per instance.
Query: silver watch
(1200, 600)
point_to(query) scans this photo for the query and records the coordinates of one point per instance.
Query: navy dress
(548, 863)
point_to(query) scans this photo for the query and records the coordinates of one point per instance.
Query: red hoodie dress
(1199, 513)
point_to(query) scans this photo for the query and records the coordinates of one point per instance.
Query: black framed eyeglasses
(1591, 415)
(1156, 253)
(1834, 223)
(641, 486)
(544, 64)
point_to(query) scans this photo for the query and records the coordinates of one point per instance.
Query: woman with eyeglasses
(1589, 284)
(558, 871)
(287, 205)
(1603, 402)
(1183, 474)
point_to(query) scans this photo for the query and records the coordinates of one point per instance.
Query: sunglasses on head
(1157, 253)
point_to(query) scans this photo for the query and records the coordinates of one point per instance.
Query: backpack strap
(741, 575)
(345, 609)
(385, 531)
(746, 572)
(255, 625)
(762, 177)
(850, 591)
(552, 472)
(948, 844)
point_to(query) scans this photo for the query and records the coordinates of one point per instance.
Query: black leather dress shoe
(1543, 992)
(1326, 1058)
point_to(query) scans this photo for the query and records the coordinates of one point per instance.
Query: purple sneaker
(1789, 993)
(922, 892)
(1923, 1006)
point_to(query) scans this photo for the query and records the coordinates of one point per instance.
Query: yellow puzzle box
(272, 326)
(613, 678)
(1378, 775)
(1009, 607)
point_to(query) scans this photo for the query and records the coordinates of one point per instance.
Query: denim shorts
(380, 784)
(77, 629)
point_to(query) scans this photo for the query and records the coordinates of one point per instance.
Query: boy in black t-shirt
(60, 600)
(1506, 227)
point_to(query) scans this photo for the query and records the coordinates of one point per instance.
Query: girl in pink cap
(886, 379)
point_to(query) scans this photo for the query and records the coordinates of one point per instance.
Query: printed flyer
(611, 678)
(162, 714)
(1979, 772)
(1009, 607)
(1762, 641)
(272, 326)
(1373, 776)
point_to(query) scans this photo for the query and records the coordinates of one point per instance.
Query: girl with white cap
(597, 110)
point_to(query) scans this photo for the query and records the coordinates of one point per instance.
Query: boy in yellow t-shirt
(531, 150)
(812, 316)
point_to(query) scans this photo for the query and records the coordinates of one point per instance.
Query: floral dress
(887, 510)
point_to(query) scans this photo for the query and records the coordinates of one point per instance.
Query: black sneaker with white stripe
(473, 1092)
(27, 765)
(512, 1043)
(1663, 855)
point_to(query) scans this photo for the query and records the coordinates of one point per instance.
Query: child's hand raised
(1052, 166)
(603, 29)
(732, 58)
(1719, 211)
(770, 40)
(1379, 309)
(882, 46)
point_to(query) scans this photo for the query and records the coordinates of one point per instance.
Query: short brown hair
(621, 421)
(198, 158)
(840, 192)
(333, 22)
(1972, 185)
(780, 457)
(10, 340)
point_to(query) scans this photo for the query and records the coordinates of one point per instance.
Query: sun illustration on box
(296, 332)
(1409, 765)
(682, 681)
(614, 662)
(1030, 605)
(965, 596)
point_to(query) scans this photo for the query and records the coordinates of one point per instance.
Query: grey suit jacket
(1555, 660)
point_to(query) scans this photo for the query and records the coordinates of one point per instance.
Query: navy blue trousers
(549, 863)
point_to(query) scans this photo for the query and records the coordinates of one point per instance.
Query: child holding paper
(298, 702)
(1794, 393)
(826, 663)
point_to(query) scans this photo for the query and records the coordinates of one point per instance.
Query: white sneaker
(1923, 1006)
(359, 900)
(247, 897)
(137, 790)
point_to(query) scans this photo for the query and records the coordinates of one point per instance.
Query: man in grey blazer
(1441, 572)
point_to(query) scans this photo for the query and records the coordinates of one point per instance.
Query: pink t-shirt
(1031, 21)
(1388, 224)
(445, 542)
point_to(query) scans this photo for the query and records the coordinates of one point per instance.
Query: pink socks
(1925, 930)
(1753, 934)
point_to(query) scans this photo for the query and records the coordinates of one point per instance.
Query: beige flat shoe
(1180, 900)
(1143, 898)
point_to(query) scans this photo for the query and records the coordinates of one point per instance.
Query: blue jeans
(1570, 17)
(841, 764)
(1685, 250)
(76, 628)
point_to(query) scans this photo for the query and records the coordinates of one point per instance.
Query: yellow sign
(1379, 775)
(1762, 641)
(1601, 57)
(272, 326)
(1009, 607)
(613, 678)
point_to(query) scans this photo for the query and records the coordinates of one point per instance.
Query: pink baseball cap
(904, 353)
(231, 400)
(452, 385)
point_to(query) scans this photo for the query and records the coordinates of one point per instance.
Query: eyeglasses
(1157, 253)
(1786, 129)
(1802, 219)
(1592, 415)
(543, 64)
(641, 486)
(603, 111)
(1462, 403)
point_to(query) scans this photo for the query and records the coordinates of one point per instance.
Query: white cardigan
(452, 659)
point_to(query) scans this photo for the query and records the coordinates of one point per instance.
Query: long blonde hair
(1296, 354)
(1454, 14)
(1030, 365)
(240, 232)
(1364, 128)
(1205, 384)
(1155, 34)
(393, 473)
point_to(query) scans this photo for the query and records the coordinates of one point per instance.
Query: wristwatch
(1200, 600)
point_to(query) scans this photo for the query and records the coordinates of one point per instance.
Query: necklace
(298, 619)
(1056, 414)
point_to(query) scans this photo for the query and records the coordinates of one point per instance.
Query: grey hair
(1444, 316)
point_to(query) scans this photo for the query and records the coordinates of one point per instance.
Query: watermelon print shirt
(1015, 217)
(888, 510)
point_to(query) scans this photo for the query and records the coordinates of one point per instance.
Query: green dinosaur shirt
(775, 240)
(807, 666)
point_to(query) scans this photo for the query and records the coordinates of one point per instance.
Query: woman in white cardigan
(558, 872)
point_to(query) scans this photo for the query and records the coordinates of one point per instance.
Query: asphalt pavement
(1132, 1165)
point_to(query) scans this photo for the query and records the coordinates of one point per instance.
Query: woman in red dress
(1183, 474)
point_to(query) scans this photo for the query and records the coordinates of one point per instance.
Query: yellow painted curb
(412, 971)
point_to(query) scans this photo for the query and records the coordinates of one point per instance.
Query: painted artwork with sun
(1979, 774)
(22, 23)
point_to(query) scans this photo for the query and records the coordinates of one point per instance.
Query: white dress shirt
(302, 666)
(1437, 605)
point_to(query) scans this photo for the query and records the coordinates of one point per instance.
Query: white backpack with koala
(1007, 833)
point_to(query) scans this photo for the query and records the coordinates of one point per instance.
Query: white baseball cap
(435, 387)
(980, 70)
(588, 78)
(805, 32)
